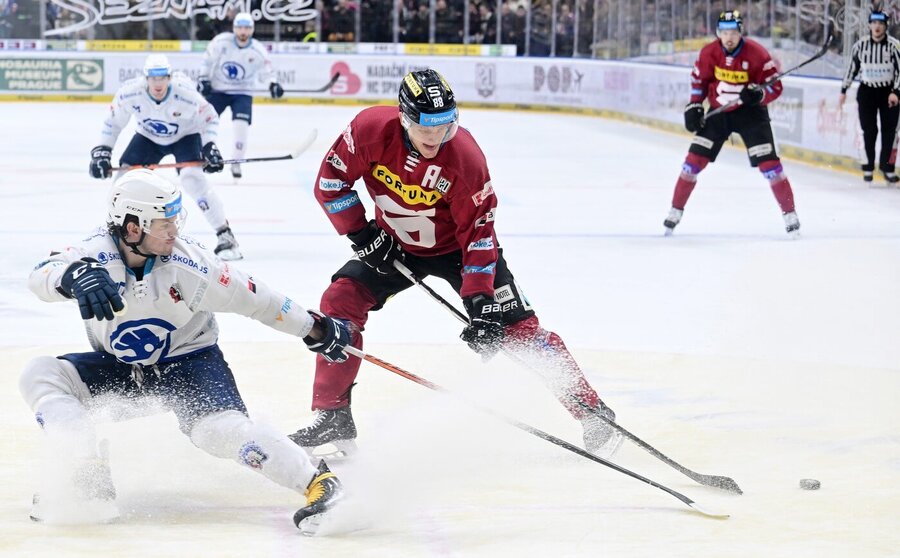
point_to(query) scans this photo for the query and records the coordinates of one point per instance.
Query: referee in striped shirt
(876, 59)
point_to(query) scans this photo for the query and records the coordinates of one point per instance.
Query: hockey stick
(534, 431)
(183, 164)
(324, 88)
(724, 483)
(774, 78)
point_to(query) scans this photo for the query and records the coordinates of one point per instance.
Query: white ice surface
(731, 348)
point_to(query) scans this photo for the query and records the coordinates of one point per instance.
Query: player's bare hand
(893, 100)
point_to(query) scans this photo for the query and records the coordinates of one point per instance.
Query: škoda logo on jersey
(413, 194)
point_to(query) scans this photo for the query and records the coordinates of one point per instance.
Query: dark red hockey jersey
(719, 76)
(432, 206)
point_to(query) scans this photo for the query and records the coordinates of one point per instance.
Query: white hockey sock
(207, 199)
(232, 435)
(241, 129)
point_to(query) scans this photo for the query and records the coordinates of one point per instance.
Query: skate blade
(668, 232)
(94, 512)
(794, 235)
(230, 255)
(336, 521)
(338, 450)
(609, 449)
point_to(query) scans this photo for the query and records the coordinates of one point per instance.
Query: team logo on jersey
(331, 185)
(142, 341)
(486, 192)
(336, 161)
(252, 455)
(233, 71)
(745, 65)
(731, 76)
(412, 194)
(486, 243)
(159, 128)
(175, 293)
(348, 139)
(225, 276)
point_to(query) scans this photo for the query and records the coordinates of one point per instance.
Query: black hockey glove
(204, 86)
(693, 117)
(276, 90)
(484, 334)
(376, 248)
(212, 159)
(89, 282)
(335, 336)
(101, 163)
(751, 95)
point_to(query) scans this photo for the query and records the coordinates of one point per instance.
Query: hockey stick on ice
(724, 483)
(775, 78)
(324, 88)
(534, 431)
(183, 164)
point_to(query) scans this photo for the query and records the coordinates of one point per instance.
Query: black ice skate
(672, 220)
(792, 224)
(92, 498)
(328, 426)
(891, 177)
(867, 176)
(227, 247)
(600, 438)
(322, 493)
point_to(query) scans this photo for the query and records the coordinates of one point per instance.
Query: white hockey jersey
(169, 312)
(182, 112)
(234, 69)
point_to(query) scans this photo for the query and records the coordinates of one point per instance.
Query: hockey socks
(781, 186)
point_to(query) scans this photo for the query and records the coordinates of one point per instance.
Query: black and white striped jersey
(877, 63)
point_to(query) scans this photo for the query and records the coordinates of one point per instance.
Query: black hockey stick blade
(776, 77)
(536, 432)
(727, 484)
(324, 88)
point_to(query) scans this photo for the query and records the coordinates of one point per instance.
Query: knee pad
(692, 166)
(45, 378)
(194, 183)
(772, 170)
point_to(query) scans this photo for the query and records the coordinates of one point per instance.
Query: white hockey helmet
(147, 196)
(157, 65)
(243, 19)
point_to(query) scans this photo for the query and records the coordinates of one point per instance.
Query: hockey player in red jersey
(434, 211)
(730, 68)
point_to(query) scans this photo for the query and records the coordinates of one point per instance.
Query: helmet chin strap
(134, 245)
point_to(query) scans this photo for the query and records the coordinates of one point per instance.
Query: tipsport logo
(159, 128)
(142, 341)
(232, 71)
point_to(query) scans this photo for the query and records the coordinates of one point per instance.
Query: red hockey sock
(781, 186)
(691, 167)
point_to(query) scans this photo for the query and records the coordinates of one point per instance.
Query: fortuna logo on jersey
(412, 194)
(731, 76)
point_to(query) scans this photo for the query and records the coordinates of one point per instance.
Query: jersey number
(412, 227)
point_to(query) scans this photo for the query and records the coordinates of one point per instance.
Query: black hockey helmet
(730, 19)
(426, 99)
(879, 16)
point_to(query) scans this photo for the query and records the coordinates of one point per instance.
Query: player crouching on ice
(729, 68)
(434, 212)
(147, 296)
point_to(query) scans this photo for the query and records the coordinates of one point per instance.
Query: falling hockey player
(732, 67)
(434, 211)
(148, 297)
(172, 119)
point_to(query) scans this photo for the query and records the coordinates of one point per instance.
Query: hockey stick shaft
(775, 78)
(534, 431)
(324, 88)
(716, 481)
(307, 142)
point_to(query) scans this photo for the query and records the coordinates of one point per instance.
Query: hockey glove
(276, 90)
(693, 117)
(212, 159)
(335, 335)
(376, 248)
(751, 95)
(89, 282)
(204, 86)
(484, 334)
(101, 164)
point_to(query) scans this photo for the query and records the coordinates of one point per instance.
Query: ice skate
(891, 177)
(792, 224)
(322, 493)
(672, 220)
(227, 247)
(90, 499)
(236, 171)
(868, 176)
(328, 426)
(600, 438)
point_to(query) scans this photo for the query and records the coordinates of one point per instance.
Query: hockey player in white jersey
(172, 119)
(233, 65)
(147, 296)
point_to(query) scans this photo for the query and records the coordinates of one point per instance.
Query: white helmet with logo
(243, 19)
(157, 65)
(145, 195)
